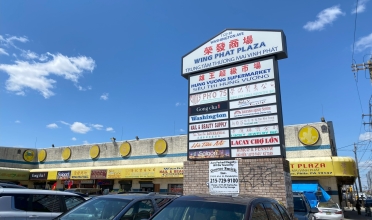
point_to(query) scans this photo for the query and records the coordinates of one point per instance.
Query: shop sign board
(208, 97)
(255, 141)
(80, 174)
(264, 110)
(169, 172)
(252, 72)
(98, 174)
(231, 46)
(267, 151)
(14, 175)
(63, 175)
(143, 172)
(223, 177)
(209, 108)
(271, 119)
(254, 131)
(38, 175)
(321, 168)
(223, 143)
(114, 173)
(250, 90)
(208, 126)
(208, 117)
(263, 100)
(209, 154)
(204, 135)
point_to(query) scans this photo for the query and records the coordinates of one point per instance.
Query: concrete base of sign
(267, 177)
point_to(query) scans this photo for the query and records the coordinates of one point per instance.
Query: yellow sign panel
(160, 146)
(66, 153)
(80, 174)
(125, 149)
(114, 173)
(308, 135)
(29, 155)
(14, 175)
(344, 167)
(169, 172)
(143, 172)
(52, 175)
(42, 155)
(94, 152)
(311, 168)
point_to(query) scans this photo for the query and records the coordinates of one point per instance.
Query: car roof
(9, 185)
(135, 196)
(241, 199)
(33, 191)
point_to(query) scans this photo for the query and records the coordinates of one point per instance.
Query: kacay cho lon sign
(223, 177)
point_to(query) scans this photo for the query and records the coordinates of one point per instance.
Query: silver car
(17, 204)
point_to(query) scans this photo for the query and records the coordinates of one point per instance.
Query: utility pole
(356, 160)
(363, 66)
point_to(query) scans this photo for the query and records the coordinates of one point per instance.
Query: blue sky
(74, 72)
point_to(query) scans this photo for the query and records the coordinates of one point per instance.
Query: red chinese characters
(234, 43)
(208, 50)
(222, 73)
(211, 75)
(233, 71)
(245, 68)
(220, 47)
(201, 77)
(257, 65)
(248, 39)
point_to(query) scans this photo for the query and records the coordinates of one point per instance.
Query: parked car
(11, 185)
(329, 210)
(35, 204)
(214, 207)
(302, 208)
(119, 206)
(86, 191)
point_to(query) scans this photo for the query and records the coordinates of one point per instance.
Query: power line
(355, 143)
(355, 23)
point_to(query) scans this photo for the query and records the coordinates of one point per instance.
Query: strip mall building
(156, 164)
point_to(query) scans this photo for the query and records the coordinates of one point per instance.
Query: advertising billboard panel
(208, 97)
(209, 135)
(250, 90)
(209, 144)
(209, 126)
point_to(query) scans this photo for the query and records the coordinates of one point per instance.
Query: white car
(329, 210)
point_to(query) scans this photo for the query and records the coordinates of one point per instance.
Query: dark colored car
(11, 185)
(213, 207)
(302, 208)
(119, 206)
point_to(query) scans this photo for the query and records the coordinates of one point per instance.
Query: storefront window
(175, 188)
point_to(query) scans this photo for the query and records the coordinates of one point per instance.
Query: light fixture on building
(322, 119)
(113, 139)
(137, 138)
(52, 145)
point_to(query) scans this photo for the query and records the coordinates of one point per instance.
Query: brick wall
(268, 177)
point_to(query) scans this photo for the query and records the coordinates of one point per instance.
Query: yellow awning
(323, 166)
(13, 173)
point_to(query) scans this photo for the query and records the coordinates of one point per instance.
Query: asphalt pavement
(349, 214)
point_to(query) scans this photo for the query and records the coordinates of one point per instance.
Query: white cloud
(29, 55)
(179, 104)
(53, 125)
(104, 96)
(97, 126)
(364, 43)
(10, 40)
(181, 130)
(365, 136)
(65, 123)
(109, 129)
(2, 51)
(327, 16)
(79, 127)
(17, 121)
(85, 142)
(361, 6)
(74, 139)
(43, 57)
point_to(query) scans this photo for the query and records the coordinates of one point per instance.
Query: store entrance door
(147, 186)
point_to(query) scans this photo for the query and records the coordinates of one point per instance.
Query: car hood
(301, 215)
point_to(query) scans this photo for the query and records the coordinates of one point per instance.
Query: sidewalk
(349, 214)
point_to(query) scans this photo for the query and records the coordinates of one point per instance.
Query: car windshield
(328, 205)
(102, 208)
(197, 210)
(299, 204)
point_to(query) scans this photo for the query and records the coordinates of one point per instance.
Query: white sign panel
(208, 97)
(256, 89)
(233, 46)
(254, 131)
(223, 177)
(209, 144)
(208, 126)
(209, 135)
(232, 76)
(208, 117)
(272, 119)
(242, 142)
(253, 111)
(253, 102)
(256, 152)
